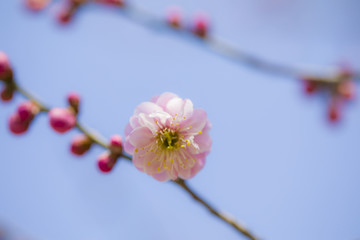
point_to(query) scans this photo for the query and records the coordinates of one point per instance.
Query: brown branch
(98, 140)
(232, 222)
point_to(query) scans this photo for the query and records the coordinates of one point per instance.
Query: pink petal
(164, 98)
(195, 123)
(128, 147)
(200, 163)
(162, 177)
(147, 107)
(141, 137)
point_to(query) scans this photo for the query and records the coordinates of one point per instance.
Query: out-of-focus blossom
(174, 17)
(20, 121)
(168, 137)
(36, 5)
(200, 26)
(339, 89)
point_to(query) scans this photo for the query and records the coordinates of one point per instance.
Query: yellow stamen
(136, 150)
(200, 132)
(158, 169)
(149, 163)
(188, 143)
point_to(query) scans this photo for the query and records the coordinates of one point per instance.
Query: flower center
(168, 139)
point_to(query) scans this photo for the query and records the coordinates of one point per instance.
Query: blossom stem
(221, 47)
(232, 222)
(97, 139)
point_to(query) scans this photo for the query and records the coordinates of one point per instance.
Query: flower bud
(80, 145)
(16, 125)
(36, 5)
(7, 94)
(334, 110)
(27, 111)
(62, 119)
(347, 89)
(116, 144)
(106, 162)
(65, 16)
(310, 86)
(4, 65)
(174, 18)
(74, 101)
(201, 26)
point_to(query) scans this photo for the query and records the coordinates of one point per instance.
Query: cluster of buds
(20, 121)
(64, 119)
(199, 25)
(61, 120)
(107, 160)
(6, 76)
(81, 144)
(339, 88)
(69, 8)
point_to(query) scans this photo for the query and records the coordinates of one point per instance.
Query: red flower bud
(106, 162)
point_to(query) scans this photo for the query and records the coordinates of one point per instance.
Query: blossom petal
(147, 107)
(164, 98)
(195, 123)
(128, 147)
(162, 177)
(200, 163)
(141, 137)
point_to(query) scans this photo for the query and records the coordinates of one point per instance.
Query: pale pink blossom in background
(168, 138)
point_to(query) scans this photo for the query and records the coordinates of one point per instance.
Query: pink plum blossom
(62, 119)
(168, 138)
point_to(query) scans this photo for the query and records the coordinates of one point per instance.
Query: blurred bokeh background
(277, 165)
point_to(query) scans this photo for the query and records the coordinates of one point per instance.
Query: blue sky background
(276, 165)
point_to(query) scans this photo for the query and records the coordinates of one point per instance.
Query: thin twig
(97, 139)
(232, 222)
(220, 47)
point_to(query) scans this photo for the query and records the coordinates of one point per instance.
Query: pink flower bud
(201, 26)
(80, 145)
(27, 111)
(65, 16)
(347, 89)
(106, 162)
(116, 144)
(334, 110)
(62, 119)
(310, 86)
(16, 125)
(4, 64)
(7, 94)
(36, 5)
(74, 101)
(174, 18)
